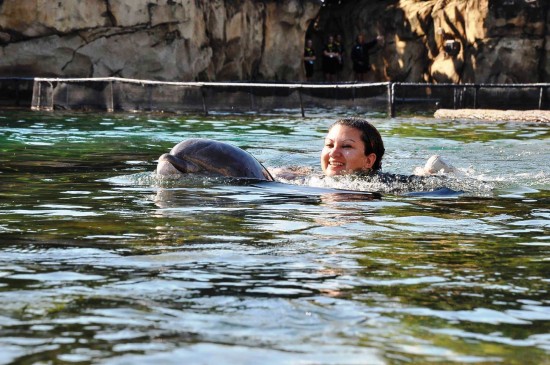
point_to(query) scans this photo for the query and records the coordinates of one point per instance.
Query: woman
(352, 145)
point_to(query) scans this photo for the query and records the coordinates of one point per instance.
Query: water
(102, 263)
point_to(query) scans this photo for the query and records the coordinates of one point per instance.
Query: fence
(474, 96)
(16, 91)
(201, 97)
(118, 94)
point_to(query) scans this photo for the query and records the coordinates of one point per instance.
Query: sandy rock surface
(496, 115)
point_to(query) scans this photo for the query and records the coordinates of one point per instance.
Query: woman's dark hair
(370, 136)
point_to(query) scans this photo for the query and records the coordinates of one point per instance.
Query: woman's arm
(290, 172)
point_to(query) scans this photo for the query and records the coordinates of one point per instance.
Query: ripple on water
(56, 277)
(102, 261)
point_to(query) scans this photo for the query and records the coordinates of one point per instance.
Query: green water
(103, 263)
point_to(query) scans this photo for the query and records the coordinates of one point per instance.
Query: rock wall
(172, 40)
(496, 41)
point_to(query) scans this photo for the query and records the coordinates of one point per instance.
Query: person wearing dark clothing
(330, 60)
(309, 59)
(340, 47)
(360, 56)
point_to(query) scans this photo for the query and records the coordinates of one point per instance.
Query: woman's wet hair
(369, 135)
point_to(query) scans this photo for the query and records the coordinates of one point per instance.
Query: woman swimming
(353, 146)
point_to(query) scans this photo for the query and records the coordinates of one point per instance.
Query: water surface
(102, 263)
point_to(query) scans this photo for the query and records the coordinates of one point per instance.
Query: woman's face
(344, 152)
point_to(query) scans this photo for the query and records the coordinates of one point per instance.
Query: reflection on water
(102, 262)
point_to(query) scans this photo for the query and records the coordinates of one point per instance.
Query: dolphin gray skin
(198, 155)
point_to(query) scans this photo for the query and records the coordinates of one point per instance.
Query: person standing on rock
(309, 59)
(330, 60)
(340, 47)
(360, 56)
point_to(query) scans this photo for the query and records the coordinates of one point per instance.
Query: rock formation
(487, 41)
(176, 40)
(481, 41)
(542, 116)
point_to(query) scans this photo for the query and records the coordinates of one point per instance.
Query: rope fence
(391, 98)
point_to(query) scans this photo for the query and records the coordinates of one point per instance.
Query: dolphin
(205, 156)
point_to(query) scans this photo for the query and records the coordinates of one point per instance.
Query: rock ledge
(495, 115)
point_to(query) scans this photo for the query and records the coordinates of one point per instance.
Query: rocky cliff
(482, 41)
(488, 41)
(155, 39)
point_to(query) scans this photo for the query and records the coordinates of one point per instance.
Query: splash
(395, 184)
(470, 182)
